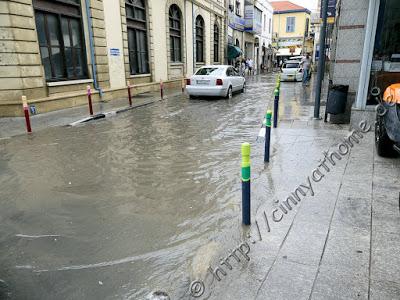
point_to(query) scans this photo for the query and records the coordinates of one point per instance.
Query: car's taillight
(219, 82)
(188, 81)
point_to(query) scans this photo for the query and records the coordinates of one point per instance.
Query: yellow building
(51, 50)
(291, 25)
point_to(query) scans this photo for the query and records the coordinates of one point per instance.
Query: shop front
(380, 61)
(385, 63)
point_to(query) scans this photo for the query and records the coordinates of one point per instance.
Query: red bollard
(129, 93)
(162, 89)
(26, 113)
(89, 95)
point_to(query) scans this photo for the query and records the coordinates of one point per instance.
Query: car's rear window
(291, 66)
(209, 71)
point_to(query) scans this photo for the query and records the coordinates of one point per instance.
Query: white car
(215, 80)
(291, 71)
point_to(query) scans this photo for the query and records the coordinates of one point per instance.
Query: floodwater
(120, 207)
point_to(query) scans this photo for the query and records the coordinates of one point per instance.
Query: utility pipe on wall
(194, 39)
(91, 45)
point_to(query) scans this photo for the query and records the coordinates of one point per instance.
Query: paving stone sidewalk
(341, 243)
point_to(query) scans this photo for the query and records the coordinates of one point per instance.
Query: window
(231, 72)
(175, 33)
(269, 25)
(231, 6)
(265, 23)
(199, 39)
(291, 65)
(257, 17)
(290, 24)
(237, 8)
(210, 71)
(137, 36)
(216, 43)
(385, 61)
(60, 36)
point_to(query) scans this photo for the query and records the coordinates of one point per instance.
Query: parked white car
(215, 80)
(291, 71)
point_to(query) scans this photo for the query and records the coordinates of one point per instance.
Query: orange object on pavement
(392, 93)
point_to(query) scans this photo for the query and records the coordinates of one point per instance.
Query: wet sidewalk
(338, 240)
(11, 126)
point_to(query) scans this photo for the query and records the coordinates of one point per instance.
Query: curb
(112, 112)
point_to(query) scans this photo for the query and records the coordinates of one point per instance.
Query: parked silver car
(215, 80)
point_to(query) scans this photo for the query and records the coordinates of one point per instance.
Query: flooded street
(119, 207)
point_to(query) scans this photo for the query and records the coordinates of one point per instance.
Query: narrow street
(128, 199)
(150, 199)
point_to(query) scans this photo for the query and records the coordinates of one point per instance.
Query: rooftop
(281, 7)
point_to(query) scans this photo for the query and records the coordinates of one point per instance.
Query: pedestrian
(306, 64)
(243, 67)
(250, 63)
(237, 64)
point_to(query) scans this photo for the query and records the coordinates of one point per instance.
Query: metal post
(321, 61)
(246, 184)
(26, 113)
(129, 93)
(89, 94)
(276, 107)
(183, 85)
(267, 135)
(162, 89)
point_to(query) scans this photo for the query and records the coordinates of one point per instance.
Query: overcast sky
(310, 4)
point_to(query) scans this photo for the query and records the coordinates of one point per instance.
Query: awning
(286, 52)
(233, 51)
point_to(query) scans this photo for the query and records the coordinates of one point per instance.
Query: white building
(250, 31)
(263, 52)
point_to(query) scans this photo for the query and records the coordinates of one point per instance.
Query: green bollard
(246, 184)
(267, 135)
(276, 107)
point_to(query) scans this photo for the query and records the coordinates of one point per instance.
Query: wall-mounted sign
(290, 42)
(252, 18)
(235, 21)
(114, 52)
(331, 8)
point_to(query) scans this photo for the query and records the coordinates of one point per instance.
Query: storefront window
(385, 68)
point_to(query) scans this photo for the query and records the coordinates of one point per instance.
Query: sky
(310, 4)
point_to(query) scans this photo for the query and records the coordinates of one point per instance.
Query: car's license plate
(202, 82)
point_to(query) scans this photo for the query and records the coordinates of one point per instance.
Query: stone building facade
(50, 50)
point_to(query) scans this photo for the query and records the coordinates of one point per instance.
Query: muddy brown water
(119, 207)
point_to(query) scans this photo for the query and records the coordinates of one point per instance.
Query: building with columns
(50, 50)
